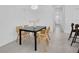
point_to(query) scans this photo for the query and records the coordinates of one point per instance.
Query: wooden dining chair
(24, 35)
(72, 30)
(44, 35)
(76, 34)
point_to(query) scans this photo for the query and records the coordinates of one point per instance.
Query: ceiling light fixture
(34, 7)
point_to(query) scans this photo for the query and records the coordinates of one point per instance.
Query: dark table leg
(19, 37)
(35, 41)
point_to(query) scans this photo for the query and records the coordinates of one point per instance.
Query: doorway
(59, 19)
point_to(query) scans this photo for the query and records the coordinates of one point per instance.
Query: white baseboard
(5, 43)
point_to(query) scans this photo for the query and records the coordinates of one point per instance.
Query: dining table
(33, 29)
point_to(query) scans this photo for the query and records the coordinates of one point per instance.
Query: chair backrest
(45, 31)
(48, 29)
(77, 28)
(72, 26)
(17, 28)
(76, 25)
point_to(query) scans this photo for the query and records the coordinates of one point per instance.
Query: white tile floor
(59, 43)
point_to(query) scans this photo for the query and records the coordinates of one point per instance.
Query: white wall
(10, 16)
(43, 13)
(71, 15)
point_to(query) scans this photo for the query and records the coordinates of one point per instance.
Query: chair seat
(24, 34)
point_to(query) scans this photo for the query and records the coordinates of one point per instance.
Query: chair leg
(74, 39)
(17, 39)
(49, 37)
(47, 41)
(70, 35)
(72, 42)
